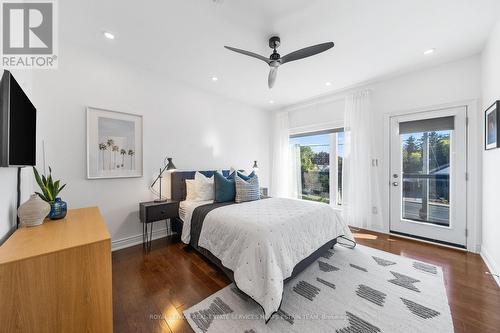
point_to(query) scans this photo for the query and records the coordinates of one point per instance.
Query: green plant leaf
(50, 187)
(60, 189)
(41, 183)
(46, 193)
(37, 177)
(45, 189)
(42, 196)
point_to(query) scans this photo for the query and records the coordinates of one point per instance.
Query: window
(339, 156)
(426, 157)
(317, 160)
(426, 176)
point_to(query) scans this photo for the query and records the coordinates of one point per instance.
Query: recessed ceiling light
(271, 102)
(328, 83)
(215, 78)
(109, 35)
(429, 51)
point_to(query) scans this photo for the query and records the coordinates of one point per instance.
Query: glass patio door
(428, 175)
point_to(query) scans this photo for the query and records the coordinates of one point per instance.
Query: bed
(259, 244)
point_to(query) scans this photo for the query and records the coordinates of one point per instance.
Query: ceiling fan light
(108, 35)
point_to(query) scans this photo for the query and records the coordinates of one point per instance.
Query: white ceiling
(184, 39)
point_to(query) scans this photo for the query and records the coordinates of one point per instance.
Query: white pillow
(204, 187)
(191, 190)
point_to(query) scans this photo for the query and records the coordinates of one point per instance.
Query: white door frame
(474, 165)
(455, 232)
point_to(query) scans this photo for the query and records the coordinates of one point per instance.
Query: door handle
(395, 184)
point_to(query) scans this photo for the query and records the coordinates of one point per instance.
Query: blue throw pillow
(242, 176)
(246, 178)
(225, 189)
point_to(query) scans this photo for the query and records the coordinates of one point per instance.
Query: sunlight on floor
(364, 236)
(172, 317)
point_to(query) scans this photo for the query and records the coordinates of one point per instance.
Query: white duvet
(262, 241)
(186, 209)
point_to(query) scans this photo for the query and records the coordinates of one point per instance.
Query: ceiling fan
(275, 60)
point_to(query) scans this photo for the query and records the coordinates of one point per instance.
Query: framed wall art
(492, 124)
(114, 144)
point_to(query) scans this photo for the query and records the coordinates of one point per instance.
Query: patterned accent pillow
(247, 190)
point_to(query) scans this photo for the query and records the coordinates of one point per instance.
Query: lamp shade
(170, 164)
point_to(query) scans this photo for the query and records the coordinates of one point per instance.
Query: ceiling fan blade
(248, 53)
(306, 52)
(273, 71)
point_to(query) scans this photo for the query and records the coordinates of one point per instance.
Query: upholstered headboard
(178, 182)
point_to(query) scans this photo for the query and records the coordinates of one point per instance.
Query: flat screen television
(17, 125)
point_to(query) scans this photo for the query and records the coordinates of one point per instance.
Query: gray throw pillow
(246, 190)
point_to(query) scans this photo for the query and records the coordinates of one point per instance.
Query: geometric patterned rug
(345, 291)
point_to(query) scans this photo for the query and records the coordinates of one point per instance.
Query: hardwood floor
(151, 291)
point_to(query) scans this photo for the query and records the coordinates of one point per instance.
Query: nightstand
(150, 212)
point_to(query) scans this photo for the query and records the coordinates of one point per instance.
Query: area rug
(345, 291)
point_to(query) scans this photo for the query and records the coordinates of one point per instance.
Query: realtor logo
(28, 32)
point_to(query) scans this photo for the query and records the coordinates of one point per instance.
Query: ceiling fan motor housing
(274, 42)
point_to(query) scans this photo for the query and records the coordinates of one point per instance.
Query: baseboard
(134, 240)
(429, 241)
(488, 260)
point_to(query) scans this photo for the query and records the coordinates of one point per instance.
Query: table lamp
(169, 166)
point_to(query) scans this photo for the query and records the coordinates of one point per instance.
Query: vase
(58, 209)
(33, 212)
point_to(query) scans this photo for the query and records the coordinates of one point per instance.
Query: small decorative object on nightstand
(152, 211)
(169, 166)
(33, 211)
(50, 190)
(264, 192)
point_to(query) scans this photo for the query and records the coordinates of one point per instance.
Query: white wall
(201, 131)
(425, 89)
(8, 199)
(491, 158)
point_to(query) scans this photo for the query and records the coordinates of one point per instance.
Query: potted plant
(50, 191)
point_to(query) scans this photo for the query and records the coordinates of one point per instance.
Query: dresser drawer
(161, 212)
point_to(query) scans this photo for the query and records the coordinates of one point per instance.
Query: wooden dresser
(57, 277)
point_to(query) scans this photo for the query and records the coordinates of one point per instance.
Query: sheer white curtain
(295, 174)
(280, 173)
(360, 192)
